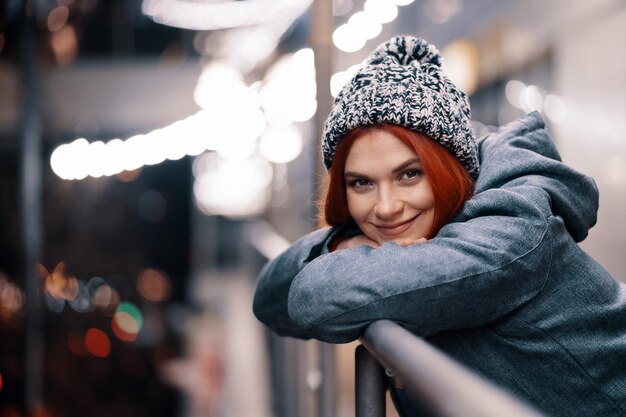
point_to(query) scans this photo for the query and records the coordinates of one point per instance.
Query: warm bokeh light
(221, 14)
(1, 382)
(226, 103)
(97, 343)
(461, 64)
(287, 95)
(127, 322)
(281, 145)
(57, 18)
(288, 92)
(383, 10)
(119, 332)
(128, 176)
(154, 285)
(346, 40)
(12, 298)
(64, 44)
(221, 89)
(232, 188)
(339, 79)
(365, 24)
(60, 285)
(106, 298)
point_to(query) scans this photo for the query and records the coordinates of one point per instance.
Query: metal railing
(434, 380)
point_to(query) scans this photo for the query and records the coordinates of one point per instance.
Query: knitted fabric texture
(402, 83)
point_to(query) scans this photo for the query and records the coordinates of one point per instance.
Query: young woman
(494, 278)
(392, 199)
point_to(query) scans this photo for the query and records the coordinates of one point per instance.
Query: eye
(359, 183)
(412, 173)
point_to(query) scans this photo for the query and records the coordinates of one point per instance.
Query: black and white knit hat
(402, 83)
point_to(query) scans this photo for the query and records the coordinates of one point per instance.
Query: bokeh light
(346, 40)
(288, 92)
(12, 298)
(513, 92)
(127, 322)
(365, 24)
(232, 188)
(81, 303)
(106, 298)
(281, 145)
(531, 97)
(154, 285)
(97, 343)
(339, 79)
(57, 18)
(461, 59)
(383, 10)
(61, 286)
(555, 108)
(64, 43)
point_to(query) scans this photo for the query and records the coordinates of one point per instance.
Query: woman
(501, 285)
(393, 199)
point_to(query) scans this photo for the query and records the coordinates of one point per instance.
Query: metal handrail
(435, 380)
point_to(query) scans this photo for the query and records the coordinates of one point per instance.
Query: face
(388, 194)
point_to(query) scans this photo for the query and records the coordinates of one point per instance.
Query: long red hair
(451, 184)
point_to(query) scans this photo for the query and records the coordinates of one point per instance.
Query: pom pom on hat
(402, 83)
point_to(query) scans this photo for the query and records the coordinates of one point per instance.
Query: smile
(396, 229)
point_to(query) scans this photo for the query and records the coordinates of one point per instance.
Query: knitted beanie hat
(402, 83)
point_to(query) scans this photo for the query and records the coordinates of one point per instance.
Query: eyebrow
(396, 170)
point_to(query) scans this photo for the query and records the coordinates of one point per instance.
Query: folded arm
(484, 265)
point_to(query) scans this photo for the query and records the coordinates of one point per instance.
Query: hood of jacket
(532, 159)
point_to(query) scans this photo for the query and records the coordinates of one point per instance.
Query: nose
(388, 205)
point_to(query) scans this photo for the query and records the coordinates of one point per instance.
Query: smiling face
(388, 195)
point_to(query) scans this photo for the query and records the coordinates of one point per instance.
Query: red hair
(451, 184)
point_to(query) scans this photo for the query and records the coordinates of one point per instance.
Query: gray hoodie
(503, 288)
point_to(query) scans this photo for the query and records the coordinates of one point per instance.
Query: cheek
(358, 206)
(422, 198)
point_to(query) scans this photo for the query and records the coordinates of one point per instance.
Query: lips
(396, 229)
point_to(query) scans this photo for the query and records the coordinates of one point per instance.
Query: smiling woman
(431, 184)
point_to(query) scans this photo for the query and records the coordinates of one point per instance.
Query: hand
(355, 241)
(409, 242)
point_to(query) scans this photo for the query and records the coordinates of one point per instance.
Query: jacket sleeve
(270, 297)
(490, 261)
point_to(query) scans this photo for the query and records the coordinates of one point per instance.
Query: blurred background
(155, 153)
